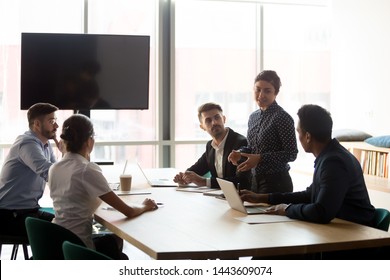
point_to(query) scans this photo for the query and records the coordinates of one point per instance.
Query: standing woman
(271, 139)
(77, 187)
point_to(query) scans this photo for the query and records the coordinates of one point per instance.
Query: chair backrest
(74, 251)
(46, 239)
(382, 219)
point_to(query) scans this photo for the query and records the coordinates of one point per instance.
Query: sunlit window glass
(215, 60)
(127, 17)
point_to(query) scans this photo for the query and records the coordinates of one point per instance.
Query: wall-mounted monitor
(85, 71)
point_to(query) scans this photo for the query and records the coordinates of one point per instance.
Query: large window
(120, 135)
(220, 46)
(300, 53)
(26, 16)
(201, 51)
(215, 60)
(137, 126)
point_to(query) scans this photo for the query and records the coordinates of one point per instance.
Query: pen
(140, 193)
(109, 208)
(238, 187)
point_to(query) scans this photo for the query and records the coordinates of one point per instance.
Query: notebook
(161, 182)
(234, 200)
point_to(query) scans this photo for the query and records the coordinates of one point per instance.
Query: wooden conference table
(195, 226)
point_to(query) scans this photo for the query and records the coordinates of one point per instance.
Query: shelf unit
(372, 157)
(374, 160)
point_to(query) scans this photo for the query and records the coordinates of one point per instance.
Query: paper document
(264, 219)
(194, 189)
(122, 193)
(214, 192)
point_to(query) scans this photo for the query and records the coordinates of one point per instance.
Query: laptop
(234, 200)
(162, 181)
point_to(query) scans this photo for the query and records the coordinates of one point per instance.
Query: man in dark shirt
(338, 189)
(214, 160)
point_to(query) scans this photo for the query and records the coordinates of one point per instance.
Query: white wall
(379, 199)
(360, 90)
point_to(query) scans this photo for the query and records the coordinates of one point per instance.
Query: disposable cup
(125, 182)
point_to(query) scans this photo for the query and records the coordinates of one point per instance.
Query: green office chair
(73, 251)
(46, 239)
(382, 219)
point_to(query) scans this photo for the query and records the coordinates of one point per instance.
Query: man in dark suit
(214, 160)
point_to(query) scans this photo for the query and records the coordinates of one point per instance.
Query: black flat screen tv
(85, 71)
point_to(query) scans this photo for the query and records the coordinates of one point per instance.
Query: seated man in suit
(338, 189)
(214, 160)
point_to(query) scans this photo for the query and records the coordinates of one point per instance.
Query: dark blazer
(338, 190)
(205, 163)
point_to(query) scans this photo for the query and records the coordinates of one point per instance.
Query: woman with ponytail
(77, 187)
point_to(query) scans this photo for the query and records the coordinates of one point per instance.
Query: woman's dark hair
(75, 131)
(317, 121)
(271, 77)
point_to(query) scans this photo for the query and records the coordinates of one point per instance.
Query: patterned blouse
(271, 133)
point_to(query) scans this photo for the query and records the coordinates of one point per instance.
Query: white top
(75, 186)
(219, 155)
